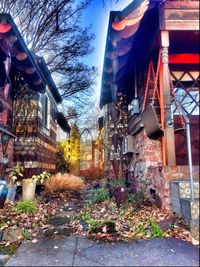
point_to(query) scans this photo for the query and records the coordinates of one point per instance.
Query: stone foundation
(146, 171)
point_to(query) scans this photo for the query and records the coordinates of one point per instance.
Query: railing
(187, 124)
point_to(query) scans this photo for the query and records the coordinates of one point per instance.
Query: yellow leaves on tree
(71, 150)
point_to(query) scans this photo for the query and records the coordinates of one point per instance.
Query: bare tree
(52, 28)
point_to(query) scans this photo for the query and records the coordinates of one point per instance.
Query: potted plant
(29, 185)
(14, 175)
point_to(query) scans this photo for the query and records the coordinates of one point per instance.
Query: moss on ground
(8, 250)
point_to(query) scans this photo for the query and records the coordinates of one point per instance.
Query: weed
(26, 206)
(100, 195)
(132, 212)
(141, 229)
(131, 198)
(171, 227)
(3, 224)
(156, 231)
(38, 198)
(26, 234)
(93, 223)
(85, 216)
(8, 249)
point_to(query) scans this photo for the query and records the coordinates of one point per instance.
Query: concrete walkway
(78, 251)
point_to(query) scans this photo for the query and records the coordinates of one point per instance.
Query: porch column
(168, 140)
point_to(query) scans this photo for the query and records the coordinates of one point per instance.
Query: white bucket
(28, 190)
(11, 192)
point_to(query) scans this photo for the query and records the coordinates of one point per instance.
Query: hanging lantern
(1, 107)
(115, 141)
(115, 114)
(6, 90)
(115, 164)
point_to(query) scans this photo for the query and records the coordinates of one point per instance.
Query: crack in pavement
(74, 251)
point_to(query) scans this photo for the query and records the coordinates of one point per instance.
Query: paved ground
(78, 251)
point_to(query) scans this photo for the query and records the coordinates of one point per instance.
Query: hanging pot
(152, 126)
(115, 164)
(115, 115)
(3, 192)
(3, 184)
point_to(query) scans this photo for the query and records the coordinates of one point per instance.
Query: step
(190, 209)
(181, 189)
(194, 228)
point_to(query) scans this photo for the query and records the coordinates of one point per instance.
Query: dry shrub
(92, 174)
(63, 182)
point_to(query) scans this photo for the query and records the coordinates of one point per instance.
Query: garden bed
(100, 220)
(130, 222)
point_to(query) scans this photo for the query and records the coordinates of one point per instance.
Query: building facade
(28, 105)
(150, 88)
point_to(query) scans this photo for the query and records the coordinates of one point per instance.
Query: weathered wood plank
(182, 4)
(179, 19)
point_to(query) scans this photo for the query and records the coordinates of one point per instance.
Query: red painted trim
(184, 59)
(4, 27)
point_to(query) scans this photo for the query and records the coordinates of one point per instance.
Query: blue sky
(98, 17)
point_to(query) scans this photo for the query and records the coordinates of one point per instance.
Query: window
(45, 111)
(186, 87)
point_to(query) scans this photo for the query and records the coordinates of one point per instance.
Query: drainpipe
(187, 123)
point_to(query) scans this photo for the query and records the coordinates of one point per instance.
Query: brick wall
(146, 170)
(9, 151)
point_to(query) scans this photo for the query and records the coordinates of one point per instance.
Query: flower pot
(28, 189)
(3, 184)
(12, 189)
(3, 193)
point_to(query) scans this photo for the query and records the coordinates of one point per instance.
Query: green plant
(131, 198)
(171, 227)
(100, 195)
(26, 234)
(141, 229)
(118, 183)
(40, 177)
(132, 212)
(8, 249)
(85, 216)
(93, 223)
(26, 206)
(156, 231)
(16, 173)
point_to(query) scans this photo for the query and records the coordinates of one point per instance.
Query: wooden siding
(35, 144)
(179, 15)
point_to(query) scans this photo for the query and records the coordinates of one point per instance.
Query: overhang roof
(48, 78)
(62, 122)
(12, 44)
(34, 68)
(122, 28)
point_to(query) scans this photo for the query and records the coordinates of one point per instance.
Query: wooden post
(169, 140)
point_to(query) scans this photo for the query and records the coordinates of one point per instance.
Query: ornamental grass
(63, 182)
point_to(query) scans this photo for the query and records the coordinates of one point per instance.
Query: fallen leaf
(34, 241)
